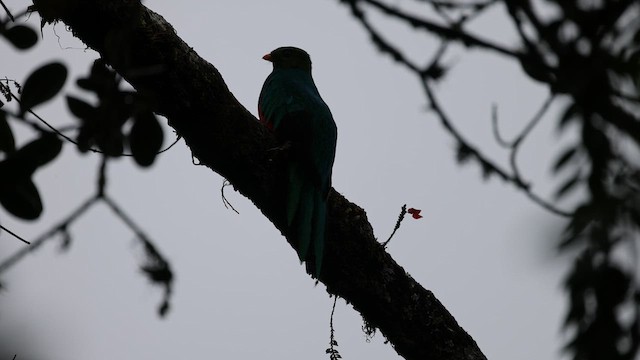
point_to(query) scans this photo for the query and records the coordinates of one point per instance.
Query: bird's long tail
(306, 217)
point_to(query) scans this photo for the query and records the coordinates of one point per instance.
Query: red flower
(415, 213)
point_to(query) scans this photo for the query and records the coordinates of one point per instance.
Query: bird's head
(289, 57)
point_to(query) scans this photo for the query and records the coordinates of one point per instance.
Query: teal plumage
(291, 106)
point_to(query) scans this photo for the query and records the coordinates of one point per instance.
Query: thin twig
(523, 135)
(448, 125)
(7, 11)
(435, 62)
(445, 32)
(102, 177)
(520, 29)
(489, 167)
(442, 11)
(334, 354)
(35, 244)
(170, 146)
(403, 212)
(442, 7)
(15, 235)
(514, 145)
(494, 126)
(458, 5)
(125, 218)
(511, 178)
(157, 267)
(535, 120)
(383, 45)
(226, 202)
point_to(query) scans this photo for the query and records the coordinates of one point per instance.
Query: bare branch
(447, 33)
(515, 145)
(488, 166)
(496, 131)
(473, 5)
(514, 179)
(35, 244)
(126, 219)
(448, 125)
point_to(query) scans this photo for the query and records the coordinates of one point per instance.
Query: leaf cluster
(18, 193)
(120, 119)
(587, 53)
(104, 126)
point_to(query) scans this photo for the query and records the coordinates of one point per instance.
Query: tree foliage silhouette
(586, 53)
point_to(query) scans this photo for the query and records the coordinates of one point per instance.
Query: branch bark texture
(223, 135)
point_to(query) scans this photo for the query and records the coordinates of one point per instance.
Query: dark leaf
(577, 310)
(634, 214)
(580, 279)
(597, 142)
(20, 197)
(42, 85)
(568, 186)
(39, 152)
(7, 143)
(571, 112)
(85, 137)
(80, 109)
(533, 67)
(582, 217)
(109, 140)
(22, 37)
(145, 139)
(87, 84)
(564, 158)
(579, 283)
(101, 80)
(612, 287)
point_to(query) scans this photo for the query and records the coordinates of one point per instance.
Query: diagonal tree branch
(224, 136)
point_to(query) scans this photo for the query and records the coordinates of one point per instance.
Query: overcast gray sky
(240, 291)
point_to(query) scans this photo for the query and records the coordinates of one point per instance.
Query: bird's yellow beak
(267, 57)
